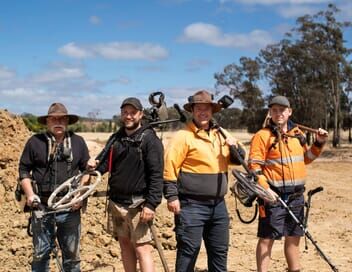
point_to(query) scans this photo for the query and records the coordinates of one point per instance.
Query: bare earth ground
(329, 222)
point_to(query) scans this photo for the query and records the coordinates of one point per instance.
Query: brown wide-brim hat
(203, 97)
(58, 109)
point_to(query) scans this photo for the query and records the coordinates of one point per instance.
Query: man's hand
(174, 206)
(273, 195)
(146, 215)
(92, 164)
(33, 200)
(76, 206)
(231, 141)
(322, 136)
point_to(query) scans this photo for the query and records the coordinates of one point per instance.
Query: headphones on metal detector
(158, 112)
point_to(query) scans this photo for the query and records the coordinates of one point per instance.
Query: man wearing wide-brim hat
(50, 159)
(195, 174)
(58, 110)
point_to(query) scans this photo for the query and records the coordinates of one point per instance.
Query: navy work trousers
(196, 221)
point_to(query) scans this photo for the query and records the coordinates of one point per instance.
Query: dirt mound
(13, 238)
(13, 135)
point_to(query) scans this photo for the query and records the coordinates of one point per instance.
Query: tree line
(84, 124)
(310, 66)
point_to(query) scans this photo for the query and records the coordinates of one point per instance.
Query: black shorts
(275, 222)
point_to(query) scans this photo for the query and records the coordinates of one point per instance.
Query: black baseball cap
(279, 100)
(134, 102)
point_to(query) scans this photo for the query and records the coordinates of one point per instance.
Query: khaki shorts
(124, 222)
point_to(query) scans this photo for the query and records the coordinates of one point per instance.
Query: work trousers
(198, 221)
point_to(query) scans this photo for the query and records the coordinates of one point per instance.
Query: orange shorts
(124, 222)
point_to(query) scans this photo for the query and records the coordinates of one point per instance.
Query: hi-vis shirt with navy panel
(197, 161)
(282, 162)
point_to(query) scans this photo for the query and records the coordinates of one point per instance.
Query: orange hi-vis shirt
(198, 162)
(281, 162)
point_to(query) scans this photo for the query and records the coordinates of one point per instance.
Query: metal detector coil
(239, 190)
(246, 189)
(76, 192)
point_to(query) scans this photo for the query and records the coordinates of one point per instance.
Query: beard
(131, 125)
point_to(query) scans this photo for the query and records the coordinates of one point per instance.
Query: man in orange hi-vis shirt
(278, 155)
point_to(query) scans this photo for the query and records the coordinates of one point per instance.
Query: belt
(123, 199)
(298, 189)
(201, 199)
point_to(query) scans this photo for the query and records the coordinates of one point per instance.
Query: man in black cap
(135, 165)
(49, 159)
(278, 155)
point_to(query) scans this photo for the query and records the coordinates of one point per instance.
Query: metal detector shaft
(158, 246)
(164, 122)
(307, 234)
(234, 151)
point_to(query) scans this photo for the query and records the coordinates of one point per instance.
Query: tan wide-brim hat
(58, 109)
(203, 97)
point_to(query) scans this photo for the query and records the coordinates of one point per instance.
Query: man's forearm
(26, 184)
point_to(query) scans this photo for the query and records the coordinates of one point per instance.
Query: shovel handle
(158, 246)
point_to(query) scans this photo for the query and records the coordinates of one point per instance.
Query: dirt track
(329, 223)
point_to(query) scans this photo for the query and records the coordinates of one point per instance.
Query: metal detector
(250, 187)
(75, 191)
(307, 234)
(239, 189)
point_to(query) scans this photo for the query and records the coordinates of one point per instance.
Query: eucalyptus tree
(309, 66)
(242, 82)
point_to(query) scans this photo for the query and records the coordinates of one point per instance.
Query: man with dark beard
(135, 164)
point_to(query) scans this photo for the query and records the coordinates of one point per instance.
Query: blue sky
(91, 54)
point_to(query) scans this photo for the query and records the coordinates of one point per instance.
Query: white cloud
(6, 73)
(283, 28)
(67, 83)
(152, 68)
(116, 51)
(197, 64)
(296, 11)
(59, 81)
(74, 51)
(212, 35)
(124, 80)
(16, 101)
(95, 20)
(346, 10)
(63, 73)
